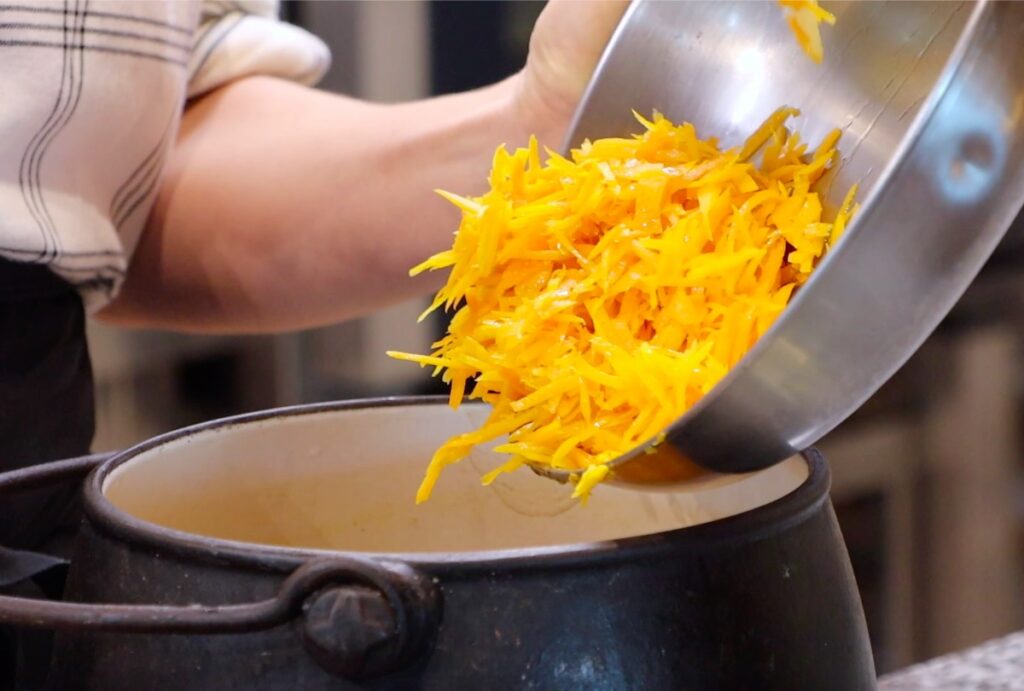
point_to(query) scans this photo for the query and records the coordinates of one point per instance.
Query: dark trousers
(46, 413)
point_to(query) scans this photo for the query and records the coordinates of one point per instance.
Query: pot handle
(357, 617)
(49, 473)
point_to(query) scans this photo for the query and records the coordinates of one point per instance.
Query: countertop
(997, 664)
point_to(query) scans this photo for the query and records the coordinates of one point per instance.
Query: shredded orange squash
(599, 297)
(805, 18)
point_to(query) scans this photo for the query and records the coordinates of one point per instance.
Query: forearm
(285, 207)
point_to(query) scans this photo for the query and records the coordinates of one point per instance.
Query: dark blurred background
(928, 476)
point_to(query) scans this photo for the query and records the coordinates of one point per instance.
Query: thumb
(567, 41)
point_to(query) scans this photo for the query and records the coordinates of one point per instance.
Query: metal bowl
(928, 95)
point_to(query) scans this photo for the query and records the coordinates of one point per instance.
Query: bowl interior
(346, 480)
(726, 66)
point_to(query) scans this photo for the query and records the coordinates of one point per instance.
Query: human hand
(567, 42)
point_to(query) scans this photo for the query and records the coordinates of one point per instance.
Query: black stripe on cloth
(92, 280)
(201, 35)
(77, 80)
(106, 15)
(99, 49)
(228, 28)
(129, 200)
(98, 270)
(153, 179)
(92, 253)
(126, 189)
(99, 32)
(24, 167)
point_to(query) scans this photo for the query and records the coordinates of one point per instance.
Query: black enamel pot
(283, 550)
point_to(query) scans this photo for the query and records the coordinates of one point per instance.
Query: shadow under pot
(283, 550)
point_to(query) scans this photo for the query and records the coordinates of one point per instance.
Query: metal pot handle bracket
(356, 617)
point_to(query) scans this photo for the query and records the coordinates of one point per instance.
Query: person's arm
(284, 207)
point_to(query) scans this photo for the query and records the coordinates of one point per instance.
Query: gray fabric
(19, 565)
(46, 413)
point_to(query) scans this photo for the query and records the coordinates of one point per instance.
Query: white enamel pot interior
(345, 479)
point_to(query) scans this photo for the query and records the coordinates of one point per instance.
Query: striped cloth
(93, 92)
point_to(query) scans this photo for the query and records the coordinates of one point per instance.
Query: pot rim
(754, 524)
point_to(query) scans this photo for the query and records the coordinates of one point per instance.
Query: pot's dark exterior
(764, 600)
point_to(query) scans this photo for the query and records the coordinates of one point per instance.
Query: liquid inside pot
(346, 479)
